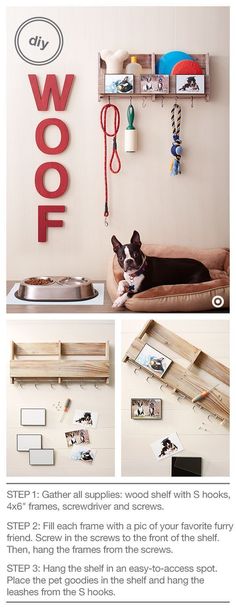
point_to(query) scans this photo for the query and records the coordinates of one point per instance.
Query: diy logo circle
(218, 301)
(39, 41)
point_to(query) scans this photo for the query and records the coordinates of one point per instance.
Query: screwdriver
(203, 394)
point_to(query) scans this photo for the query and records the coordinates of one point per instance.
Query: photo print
(85, 418)
(80, 436)
(190, 84)
(167, 446)
(84, 455)
(154, 83)
(119, 83)
(153, 360)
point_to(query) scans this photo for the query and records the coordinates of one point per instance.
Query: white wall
(200, 436)
(86, 397)
(188, 210)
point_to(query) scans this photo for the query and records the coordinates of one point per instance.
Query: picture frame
(153, 360)
(79, 436)
(154, 84)
(121, 84)
(44, 456)
(146, 409)
(24, 442)
(191, 84)
(33, 417)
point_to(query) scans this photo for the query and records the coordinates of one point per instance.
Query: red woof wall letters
(42, 100)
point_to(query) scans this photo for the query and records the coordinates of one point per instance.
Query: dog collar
(140, 270)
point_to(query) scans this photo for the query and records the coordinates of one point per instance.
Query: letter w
(51, 90)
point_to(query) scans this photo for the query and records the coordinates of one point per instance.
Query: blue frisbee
(166, 62)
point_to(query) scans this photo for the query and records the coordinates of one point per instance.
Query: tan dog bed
(181, 297)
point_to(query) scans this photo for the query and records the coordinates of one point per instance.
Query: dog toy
(114, 60)
(130, 132)
(176, 148)
(115, 155)
(204, 394)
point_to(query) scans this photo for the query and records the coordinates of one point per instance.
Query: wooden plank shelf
(53, 362)
(148, 62)
(189, 380)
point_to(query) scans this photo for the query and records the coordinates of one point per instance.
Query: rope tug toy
(176, 148)
(115, 155)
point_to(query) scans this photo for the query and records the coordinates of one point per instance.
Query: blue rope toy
(176, 148)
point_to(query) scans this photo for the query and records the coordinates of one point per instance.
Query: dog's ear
(136, 238)
(116, 244)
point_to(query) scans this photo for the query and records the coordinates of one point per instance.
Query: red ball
(187, 67)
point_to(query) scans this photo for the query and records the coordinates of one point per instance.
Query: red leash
(115, 155)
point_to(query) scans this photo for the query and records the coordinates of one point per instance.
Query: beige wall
(86, 397)
(191, 209)
(199, 436)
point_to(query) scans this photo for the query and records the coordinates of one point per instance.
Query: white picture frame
(190, 84)
(24, 442)
(33, 416)
(45, 456)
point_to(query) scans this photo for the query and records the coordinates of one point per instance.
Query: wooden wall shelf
(148, 62)
(190, 380)
(56, 362)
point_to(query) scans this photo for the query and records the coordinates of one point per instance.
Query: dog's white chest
(134, 282)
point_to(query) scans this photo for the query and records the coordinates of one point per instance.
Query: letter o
(39, 181)
(40, 139)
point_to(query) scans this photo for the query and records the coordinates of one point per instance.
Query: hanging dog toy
(176, 148)
(130, 132)
(103, 121)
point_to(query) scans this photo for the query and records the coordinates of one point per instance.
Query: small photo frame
(45, 456)
(33, 416)
(157, 84)
(193, 84)
(80, 436)
(167, 446)
(83, 454)
(85, 419)
(146, 409)
(152, 359)
(24, 442)
(119, 83)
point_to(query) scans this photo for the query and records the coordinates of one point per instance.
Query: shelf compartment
(40, 368)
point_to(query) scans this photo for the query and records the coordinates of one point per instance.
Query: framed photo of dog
(146, 409)
(153, 360)
(195, 84)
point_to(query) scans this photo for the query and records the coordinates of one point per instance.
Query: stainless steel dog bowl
(56, 289)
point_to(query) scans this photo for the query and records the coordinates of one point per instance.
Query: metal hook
(96, 386)
(192, 101)
(36, 386)
(181, 396)
(149, 377)
(136, 370)
(81, 386)
(20, 385)
(130, 100)
(106, 223)
(144, 102)
(162, 101)
(52, 387)
(109, 100)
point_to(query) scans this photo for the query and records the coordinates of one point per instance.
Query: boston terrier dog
(144, 272)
